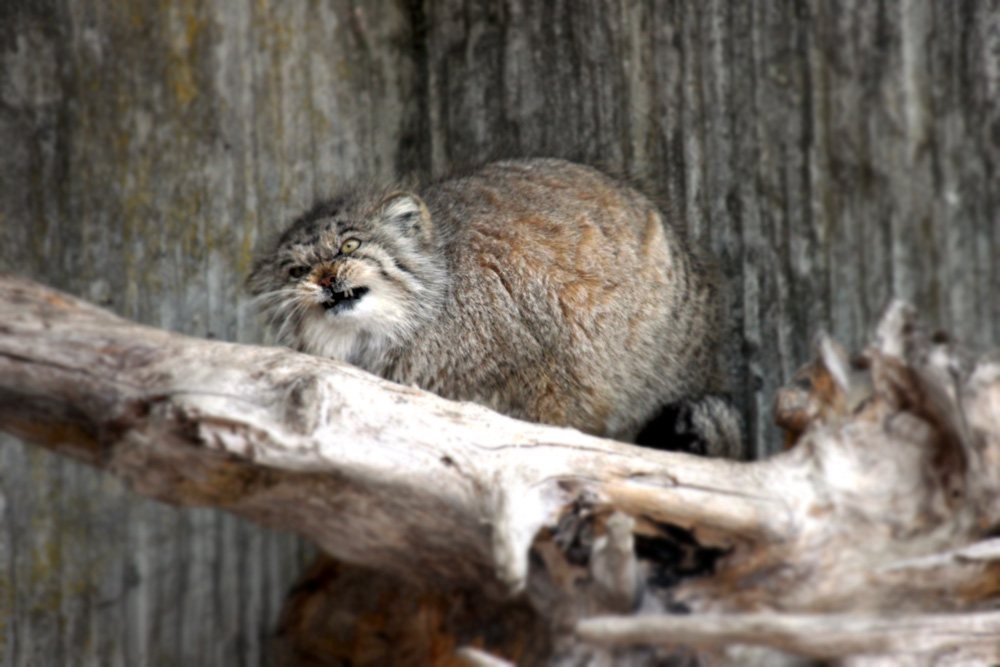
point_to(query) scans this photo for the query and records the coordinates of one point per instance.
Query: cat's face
(357, 270)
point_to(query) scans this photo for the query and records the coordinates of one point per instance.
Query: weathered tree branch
(198, 422)
(895, 471)
(820, 635)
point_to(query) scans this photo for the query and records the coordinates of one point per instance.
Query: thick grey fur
(543, 289)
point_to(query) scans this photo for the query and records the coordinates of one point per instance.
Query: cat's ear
(408, 213)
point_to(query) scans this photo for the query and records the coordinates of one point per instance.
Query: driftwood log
(870, 541)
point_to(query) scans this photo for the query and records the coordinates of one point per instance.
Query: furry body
(542, 289)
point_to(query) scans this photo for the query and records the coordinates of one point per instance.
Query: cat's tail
(709, 425)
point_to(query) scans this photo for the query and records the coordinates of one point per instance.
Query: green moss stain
(929, 248)
(54, 559)
(183, 54)
(244, 259)
(344, 69)
(6, 606)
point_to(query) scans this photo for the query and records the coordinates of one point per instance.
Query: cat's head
(362, 268)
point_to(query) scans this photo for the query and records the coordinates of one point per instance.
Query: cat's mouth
(343, 300)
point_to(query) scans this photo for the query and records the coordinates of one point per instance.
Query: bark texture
(871, 537)
(831, 155)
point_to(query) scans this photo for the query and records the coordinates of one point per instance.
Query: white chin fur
(323, 338)
(371, 325)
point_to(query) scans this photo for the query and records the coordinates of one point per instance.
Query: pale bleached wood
(407, 482)
(613, 564)
(475, 658)
(818, 636)
(207, 423)
(988, 550)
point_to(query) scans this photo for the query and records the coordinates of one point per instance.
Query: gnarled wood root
(872, 535)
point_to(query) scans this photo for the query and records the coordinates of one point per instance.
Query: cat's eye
(349, 246)
(298, 271)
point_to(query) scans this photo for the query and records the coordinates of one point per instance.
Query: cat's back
(572, 299)
(545, 207)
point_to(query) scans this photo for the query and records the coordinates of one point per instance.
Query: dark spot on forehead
(307, 227)
(325, 209)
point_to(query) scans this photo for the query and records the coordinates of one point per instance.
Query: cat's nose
(327, 280)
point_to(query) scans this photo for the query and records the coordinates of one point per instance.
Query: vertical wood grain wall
(831, 155)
